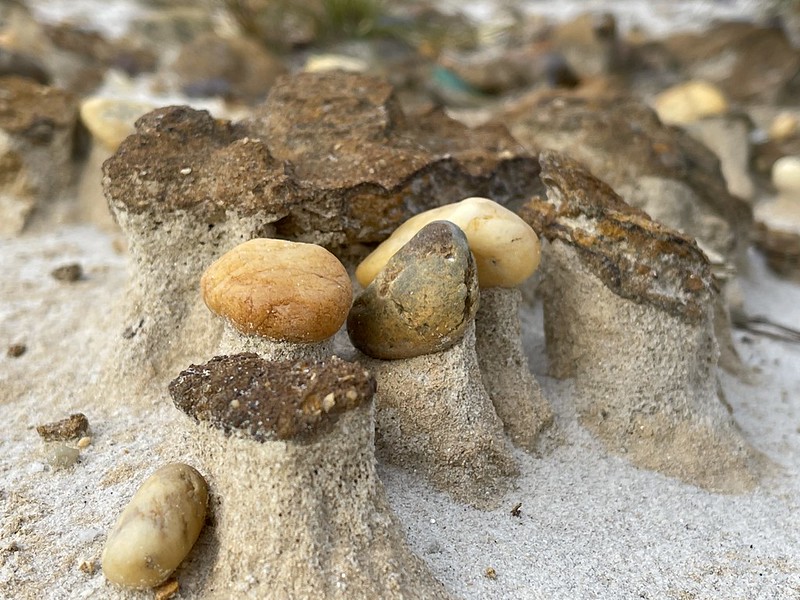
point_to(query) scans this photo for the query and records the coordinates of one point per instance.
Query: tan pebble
(505, 247)
(490, 573)
(783, 126)
(84, 442)
(111, 120)
(690, 101)
(157, 529)
(166, 590)
(287, 291)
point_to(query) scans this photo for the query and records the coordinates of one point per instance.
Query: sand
(590, 525)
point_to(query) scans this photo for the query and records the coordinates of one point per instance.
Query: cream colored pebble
(157, 529)
(505, 247)
(786, 176)
(690, 101)
(111, 120)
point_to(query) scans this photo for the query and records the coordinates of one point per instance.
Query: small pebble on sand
(157, 528)
(74, 426)
(69, 273)
(16, 350)
(61, 456)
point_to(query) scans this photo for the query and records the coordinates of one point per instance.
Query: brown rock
(36, 134)
(271, 400)
(71, 428)
(423, 299)
(659, 169)
(69, 273)
(635, 257)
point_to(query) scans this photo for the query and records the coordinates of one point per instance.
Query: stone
(157, 528)
(246, 395)
(37, 125)
(786, 177)
(423, 299)
(318, 63)
(236, 68)
(111, 120)
(629, 309)
(70, 428)
(505, 248)
(60, 456)
(68, 273)
(690, 101)
(784, 125)
(659, 169)
(283, 290)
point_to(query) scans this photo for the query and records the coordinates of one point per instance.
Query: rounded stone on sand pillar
(507, 252)
(415, 325)
(288, 449)
(280, 299)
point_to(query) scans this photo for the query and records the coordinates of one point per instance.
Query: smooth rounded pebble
(111, 120)
(786, 176)
(286, 291)
(422, 301)
(157, 528)
(690, 101)
(505, 247)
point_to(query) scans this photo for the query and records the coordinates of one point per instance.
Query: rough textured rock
(659, 169)
(629, 314)
(423, 299)
(330, 531)
(37, 125)
(330, 158)
(268, 400)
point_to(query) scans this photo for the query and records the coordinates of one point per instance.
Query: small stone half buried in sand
(73, 427)
(268, 400)
(157, 529)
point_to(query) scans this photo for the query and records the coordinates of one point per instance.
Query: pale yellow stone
(690, 101)
(786, 176)
(506, 249)
(334, 62)
(157, 529)
(111, 120)
(784, 125)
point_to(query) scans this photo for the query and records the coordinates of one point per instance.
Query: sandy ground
(590, 525)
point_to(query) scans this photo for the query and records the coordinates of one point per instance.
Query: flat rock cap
(286, 291)
(271, 400)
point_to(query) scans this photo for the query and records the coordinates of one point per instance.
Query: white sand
(591, 526)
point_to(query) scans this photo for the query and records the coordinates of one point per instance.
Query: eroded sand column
(629, 315)
(300, 512)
